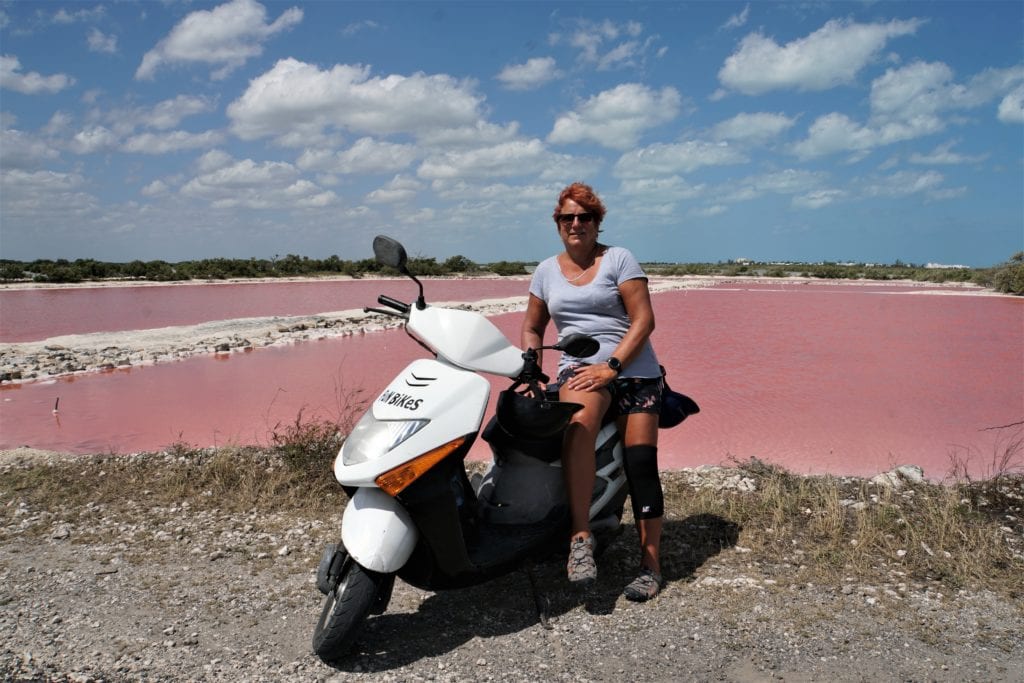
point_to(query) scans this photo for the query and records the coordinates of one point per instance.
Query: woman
(602, 291)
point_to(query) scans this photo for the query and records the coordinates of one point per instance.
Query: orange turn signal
(395, 480)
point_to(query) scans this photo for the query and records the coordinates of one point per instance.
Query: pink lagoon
(817, 377)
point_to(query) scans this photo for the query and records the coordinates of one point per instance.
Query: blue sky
(869, 131)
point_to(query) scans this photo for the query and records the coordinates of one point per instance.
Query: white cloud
(788, 181)
(666, 189)
(225, 37)
(92, 140)
(477, 134)
(590, 39)
(1011, 109)
(833, 133)
(944, 155)
(658, 197)
(945, 193)
(531, 75)
(904, 183)
(760, 127)
(906, 103)
(913, 92)
(831, 56)
(738, 20)
(708, 211)
(62, 16)
(366, 155)
(24, 151)
(31, 83)
(41, 195)
(165, 114)
(358, 26)
(617, 118)
(525, 197)
(157, 188)
(520, 157)
(817, 199)
(242, 175)
(665, 159)
(100, 42)
(170, 141)
(399, 189)
(213, 160)
(299, 99)
(252, 185)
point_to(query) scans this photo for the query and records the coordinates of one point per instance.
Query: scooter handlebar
(382, 311)
(400, 306)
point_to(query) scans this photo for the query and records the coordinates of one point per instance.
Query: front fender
(377, 532)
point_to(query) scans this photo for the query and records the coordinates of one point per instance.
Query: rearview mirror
(579, 345)
(389, 252)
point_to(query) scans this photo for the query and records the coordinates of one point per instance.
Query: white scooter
(413, 511)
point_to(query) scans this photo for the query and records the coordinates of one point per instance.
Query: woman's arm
(534, 324)
(636, 297)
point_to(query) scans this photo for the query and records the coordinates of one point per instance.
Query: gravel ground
(171, 593)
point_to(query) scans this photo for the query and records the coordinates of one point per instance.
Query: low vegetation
(824, 530)
(1007, 277)
(80, 270)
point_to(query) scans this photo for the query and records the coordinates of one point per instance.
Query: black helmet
(526, 417)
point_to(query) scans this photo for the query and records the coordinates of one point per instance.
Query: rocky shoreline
(100, 351)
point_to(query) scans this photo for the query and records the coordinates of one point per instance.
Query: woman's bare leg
(578, 454)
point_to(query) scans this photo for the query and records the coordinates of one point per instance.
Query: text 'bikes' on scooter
(413, 511)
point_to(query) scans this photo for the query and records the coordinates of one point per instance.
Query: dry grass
(825, 530)
(968, 534)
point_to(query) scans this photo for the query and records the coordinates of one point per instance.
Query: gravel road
(171, 593)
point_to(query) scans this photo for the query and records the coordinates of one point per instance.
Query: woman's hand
(591, 377)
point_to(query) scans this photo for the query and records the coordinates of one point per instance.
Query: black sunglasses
(567, 218)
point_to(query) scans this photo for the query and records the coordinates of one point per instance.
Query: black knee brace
(644, 483)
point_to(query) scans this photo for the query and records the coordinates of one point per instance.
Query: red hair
(584, 195)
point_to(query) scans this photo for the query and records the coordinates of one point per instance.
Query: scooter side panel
(377, 532)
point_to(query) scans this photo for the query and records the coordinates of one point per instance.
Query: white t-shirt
(595, 309)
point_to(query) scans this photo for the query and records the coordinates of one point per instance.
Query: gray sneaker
(643, 587)
(581, 567)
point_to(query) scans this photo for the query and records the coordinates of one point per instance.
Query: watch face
(615, 364)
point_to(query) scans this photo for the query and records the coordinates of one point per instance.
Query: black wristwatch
(615, 364)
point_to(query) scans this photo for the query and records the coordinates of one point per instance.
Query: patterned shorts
(629, 394)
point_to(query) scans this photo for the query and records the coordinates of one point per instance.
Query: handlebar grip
(386, 300)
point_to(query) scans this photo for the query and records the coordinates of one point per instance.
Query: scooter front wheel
(345, 609)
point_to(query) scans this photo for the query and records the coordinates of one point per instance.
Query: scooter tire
(344, 611)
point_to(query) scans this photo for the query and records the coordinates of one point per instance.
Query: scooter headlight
(371, 438)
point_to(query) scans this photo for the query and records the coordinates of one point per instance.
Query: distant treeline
(1006, 277)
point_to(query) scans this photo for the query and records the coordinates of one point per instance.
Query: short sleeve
(626, 266)
(539, 283)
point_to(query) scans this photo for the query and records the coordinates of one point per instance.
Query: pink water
(106, 309)
(819, 379)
